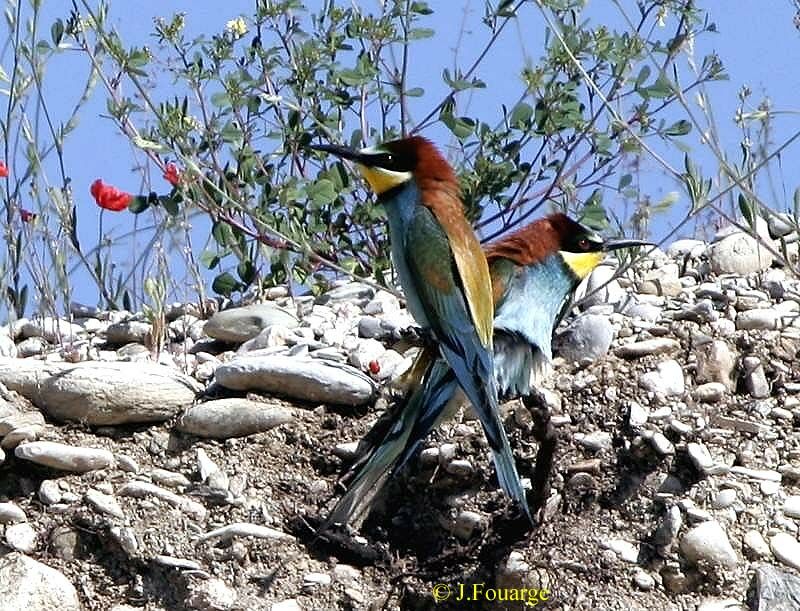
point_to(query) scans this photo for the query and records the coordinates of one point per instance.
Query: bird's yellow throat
(381, 180)
(582, 263)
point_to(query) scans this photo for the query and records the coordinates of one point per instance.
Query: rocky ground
(196, 478)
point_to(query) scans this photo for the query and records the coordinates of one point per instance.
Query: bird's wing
(435, 268)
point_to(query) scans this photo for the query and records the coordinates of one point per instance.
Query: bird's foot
(545, 433)
(418, 336)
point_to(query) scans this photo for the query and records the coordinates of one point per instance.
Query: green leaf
(421, 33)
(415, 92)
(748, 210)
(626, 180)
(521, 116)
(644, 74)
(221, 99)
(679, 128)
(223, 234)
(224, 284)
(57, 32)
(321, 192)
(209, 259)
(246, 271)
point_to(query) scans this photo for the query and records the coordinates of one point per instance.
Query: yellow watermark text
(472, 592)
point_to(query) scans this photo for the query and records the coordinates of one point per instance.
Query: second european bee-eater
(444, 274)
(534, 272)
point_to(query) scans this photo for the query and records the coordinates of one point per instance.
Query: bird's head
(581, 248)
(395, 163)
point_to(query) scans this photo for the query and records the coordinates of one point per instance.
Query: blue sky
(757, 42)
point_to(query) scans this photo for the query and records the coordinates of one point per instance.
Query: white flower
(236, 27)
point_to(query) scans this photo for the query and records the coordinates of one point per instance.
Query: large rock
(306, 379)
(101, 393)
(739, 253)
(237, 325)
(28, 585)
(226, 418)
(707, 544)
(588, 337)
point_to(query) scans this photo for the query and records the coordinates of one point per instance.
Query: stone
(211, 595)
(226, 418)
(21, 537)
(701, 458)
(755, 378)
(589, 336)
(686, 248)
(382, 303)
(365, 352)
(754, 545)
(49, 492)
(724, 498)
(350, 292)
(28, 585)
(780, 224)
(237, 325)
(739, 253)
(648, 347)
(624, 549)
(466, 524)
(710, 392)
(101, 393)
(65, 457)
(666, 380)
(758, 318)
(601, 287)
(53, 330)
(137, 331)
(776, 589)
(786, 549)
(103, 503)
(143, 490)
(791, 506)
(314, 380)
(10, 513)
(708, 544)
(701, 312)
(716, 363)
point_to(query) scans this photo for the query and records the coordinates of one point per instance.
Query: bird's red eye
(584, 244)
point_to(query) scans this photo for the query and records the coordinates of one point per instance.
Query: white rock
(101, 393)
(21, 537)
(611, 292)
(589, 336)
(667, 380)
(707, 543)
(300, 378)
(710, 392)
(365, 352)
(290, 604)
(104, 503)
(237, 325)
(64, 457)
(754, 545)
(54, 330)
(759, 318)
(791, 506)
(226, 418)
(739, 253)
(625, 550)
(786, 549)
(211, 595)
(658, 345)
(11, 513)
(28, 585)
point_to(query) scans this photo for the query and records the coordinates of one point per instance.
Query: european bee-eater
(444, 274)
(534, 272)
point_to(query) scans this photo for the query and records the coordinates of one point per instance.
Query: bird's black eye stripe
(391, 161)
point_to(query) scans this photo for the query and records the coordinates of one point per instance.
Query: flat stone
(226, 418)
(626, 550)
(755, 546)
(210, 595)
(237, 325)
(776, 589)
(786, 549)
(707, 543)
(759, 318)
(53, 330)
(314, 380)
(716, 362)
(64, 457)
(602, 288)
(101, 393)
(28, 585)
(103, 503)
(791, 506)
(659, 345)
(351, 292)
(11, 513)
(141, 490)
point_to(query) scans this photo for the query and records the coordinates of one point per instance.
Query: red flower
(3, 169)
(374, 367)
(108, 197)
(27, 216)
(171, 174)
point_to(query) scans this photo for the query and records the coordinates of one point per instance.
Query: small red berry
(374, 367)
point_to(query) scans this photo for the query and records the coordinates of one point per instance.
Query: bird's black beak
(339, 151)
(609, 245)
